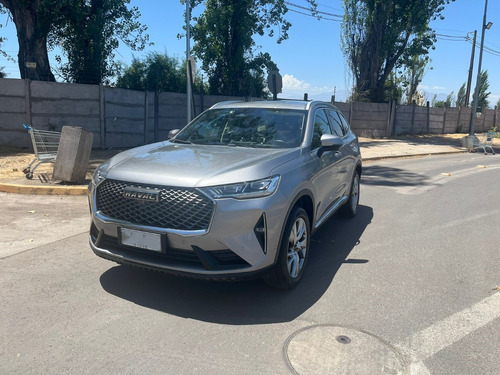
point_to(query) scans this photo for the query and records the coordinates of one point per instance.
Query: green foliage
(2, 73)
(89, 32)
(223, 36)
(393, 90)
(157, 72)
(413, 73)
(484, 85)
(498, 103)
(379, 35)
(461, 96)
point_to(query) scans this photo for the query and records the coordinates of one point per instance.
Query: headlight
(99, 174)
(245, 190)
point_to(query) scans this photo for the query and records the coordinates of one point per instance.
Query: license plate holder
(141, 239)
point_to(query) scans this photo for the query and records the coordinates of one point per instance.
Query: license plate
(140, 239)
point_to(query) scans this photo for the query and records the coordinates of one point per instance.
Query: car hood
(172, 164)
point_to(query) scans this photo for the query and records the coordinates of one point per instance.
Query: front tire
(293, 253)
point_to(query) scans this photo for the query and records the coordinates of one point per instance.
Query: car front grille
(176, 208)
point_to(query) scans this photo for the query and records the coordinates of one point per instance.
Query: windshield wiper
(184, 142)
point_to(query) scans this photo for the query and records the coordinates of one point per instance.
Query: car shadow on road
(244, 302)
(389, 176)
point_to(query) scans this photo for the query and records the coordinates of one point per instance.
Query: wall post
(146, 115)
(27, 94)
(102, 117)
(444, 120)
(428, 117)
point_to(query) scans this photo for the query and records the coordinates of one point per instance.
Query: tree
(89, 31)
(414, 72)
(498, 103)
(157, 72)
(378, 35)
(461, 96)
(484, 85)
(33, 21)
(2, 73)
(223, 36)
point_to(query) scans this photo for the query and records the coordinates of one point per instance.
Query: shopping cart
(45, 144)
(486, 142)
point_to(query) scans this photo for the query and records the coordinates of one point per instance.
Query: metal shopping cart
(45, 145)
(486, 142)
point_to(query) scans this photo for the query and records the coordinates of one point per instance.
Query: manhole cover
(332, 350)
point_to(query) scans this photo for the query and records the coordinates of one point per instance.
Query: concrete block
(73, 154)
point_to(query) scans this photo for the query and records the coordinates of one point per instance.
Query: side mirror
(173, 133)
(329, 142)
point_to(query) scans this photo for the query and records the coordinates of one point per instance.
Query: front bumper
(230, 248)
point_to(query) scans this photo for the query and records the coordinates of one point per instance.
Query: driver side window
(321, 127)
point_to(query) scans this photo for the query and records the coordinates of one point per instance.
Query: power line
(310, 15)
(313, 12)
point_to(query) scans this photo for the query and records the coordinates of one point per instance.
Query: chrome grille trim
(179, 209)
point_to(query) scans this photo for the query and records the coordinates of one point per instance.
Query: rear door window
(336, 123)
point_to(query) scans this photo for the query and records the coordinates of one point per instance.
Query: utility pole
(188, 54)
(469, 80)
(478, 80)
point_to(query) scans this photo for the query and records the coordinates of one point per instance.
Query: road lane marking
(443, 178)
(433, 339)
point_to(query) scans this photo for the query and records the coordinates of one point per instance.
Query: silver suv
(237, 193)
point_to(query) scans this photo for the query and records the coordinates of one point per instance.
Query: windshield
(248, 127)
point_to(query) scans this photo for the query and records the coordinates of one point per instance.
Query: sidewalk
(12, 162)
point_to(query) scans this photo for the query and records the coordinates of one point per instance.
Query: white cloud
(439, 88)
(294, 88)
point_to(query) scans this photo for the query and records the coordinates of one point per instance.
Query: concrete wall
(122, 118)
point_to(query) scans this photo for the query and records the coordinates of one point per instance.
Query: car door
(326, 180)
(345, 157)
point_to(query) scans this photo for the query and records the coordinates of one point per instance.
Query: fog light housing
(260, 231)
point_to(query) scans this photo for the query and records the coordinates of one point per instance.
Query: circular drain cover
(332, 350)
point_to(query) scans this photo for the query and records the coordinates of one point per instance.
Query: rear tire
(350, 208)
(293, 252)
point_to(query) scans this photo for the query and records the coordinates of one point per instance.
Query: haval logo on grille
(142, 194)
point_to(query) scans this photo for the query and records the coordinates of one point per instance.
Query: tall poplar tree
(224, 42)
(379, 35)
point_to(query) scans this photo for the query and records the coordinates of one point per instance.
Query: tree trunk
(32, 39)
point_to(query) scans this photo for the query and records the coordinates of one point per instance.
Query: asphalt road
(407, 287)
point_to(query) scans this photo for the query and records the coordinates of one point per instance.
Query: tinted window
(336, 123)
(345, 124)
(321, 126)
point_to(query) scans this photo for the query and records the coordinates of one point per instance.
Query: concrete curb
(43, 190)
(83, 190)
(375, 158)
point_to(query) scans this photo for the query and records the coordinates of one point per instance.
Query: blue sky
(311, 59)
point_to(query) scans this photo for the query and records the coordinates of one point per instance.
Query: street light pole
(476, 95)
